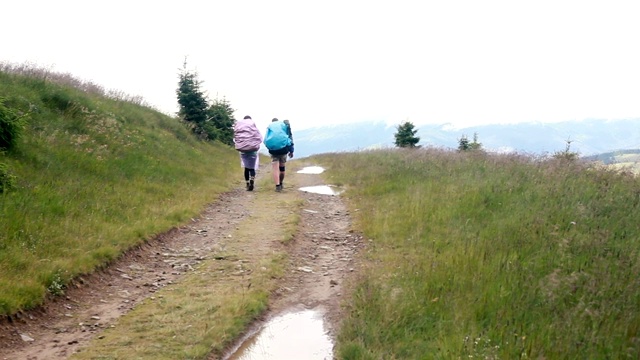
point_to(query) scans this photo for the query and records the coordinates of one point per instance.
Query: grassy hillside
(628, 160)
(493, 257)
(95, 175)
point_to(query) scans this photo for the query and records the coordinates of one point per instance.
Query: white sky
(333, 61)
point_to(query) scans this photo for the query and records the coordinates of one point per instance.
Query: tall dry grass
(491, 256)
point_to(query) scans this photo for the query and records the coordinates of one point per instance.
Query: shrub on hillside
(221, 117)
(11, 126)
(208, 121)
(567, 154)
(465, 145)
(7, 180)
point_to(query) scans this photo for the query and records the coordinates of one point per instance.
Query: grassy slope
(95, 177)
(628, 162)
(496, 257)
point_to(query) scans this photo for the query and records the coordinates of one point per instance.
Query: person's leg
(281, 168)
(281, 162)
(252, 177)
(246, 177)
(275, 170)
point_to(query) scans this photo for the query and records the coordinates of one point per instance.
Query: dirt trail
(322, 257)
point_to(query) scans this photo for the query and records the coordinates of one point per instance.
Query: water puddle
(299, 335)
(321, 189)
(311, 170)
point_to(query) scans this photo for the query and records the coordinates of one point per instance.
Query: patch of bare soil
(322, 257)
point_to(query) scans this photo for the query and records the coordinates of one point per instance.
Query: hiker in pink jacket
(247, 139)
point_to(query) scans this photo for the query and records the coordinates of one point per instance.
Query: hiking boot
(247, 186)
(278, 188)
(250, 186)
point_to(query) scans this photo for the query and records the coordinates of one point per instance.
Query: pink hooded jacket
(246, 135)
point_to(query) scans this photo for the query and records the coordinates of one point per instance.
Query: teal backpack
(277, 137)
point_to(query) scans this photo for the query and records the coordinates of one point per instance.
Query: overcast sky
(326, 62)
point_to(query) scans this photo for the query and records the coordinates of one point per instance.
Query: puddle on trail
(321, 189)
(299, 335)
(311, 170)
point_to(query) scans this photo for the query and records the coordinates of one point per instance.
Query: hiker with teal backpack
(279, 142)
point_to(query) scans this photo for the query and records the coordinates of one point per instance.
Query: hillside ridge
(588, 137)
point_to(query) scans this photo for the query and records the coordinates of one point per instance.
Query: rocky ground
(322, 259)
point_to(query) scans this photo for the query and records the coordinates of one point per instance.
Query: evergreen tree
(406, 135)
(220, 114)
(465, 145)
(193, 102)
(475, 145)
(208, 122)
(567, 154)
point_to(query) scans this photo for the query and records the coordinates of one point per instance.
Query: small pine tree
(208, 122)
(475, 145)
(567, 154)
(220, 114)
(465, 145)
(406, 135)
(192, 101)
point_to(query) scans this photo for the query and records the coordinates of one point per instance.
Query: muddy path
(321, 260)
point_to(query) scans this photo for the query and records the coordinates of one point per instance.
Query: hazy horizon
(461, 62)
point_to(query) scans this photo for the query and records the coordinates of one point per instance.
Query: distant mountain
(347, 137)
(587, 137)
(618, 156)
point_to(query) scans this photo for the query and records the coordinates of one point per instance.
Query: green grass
(472, 255)
(94, 176)
(208, 309)
(490, 256)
